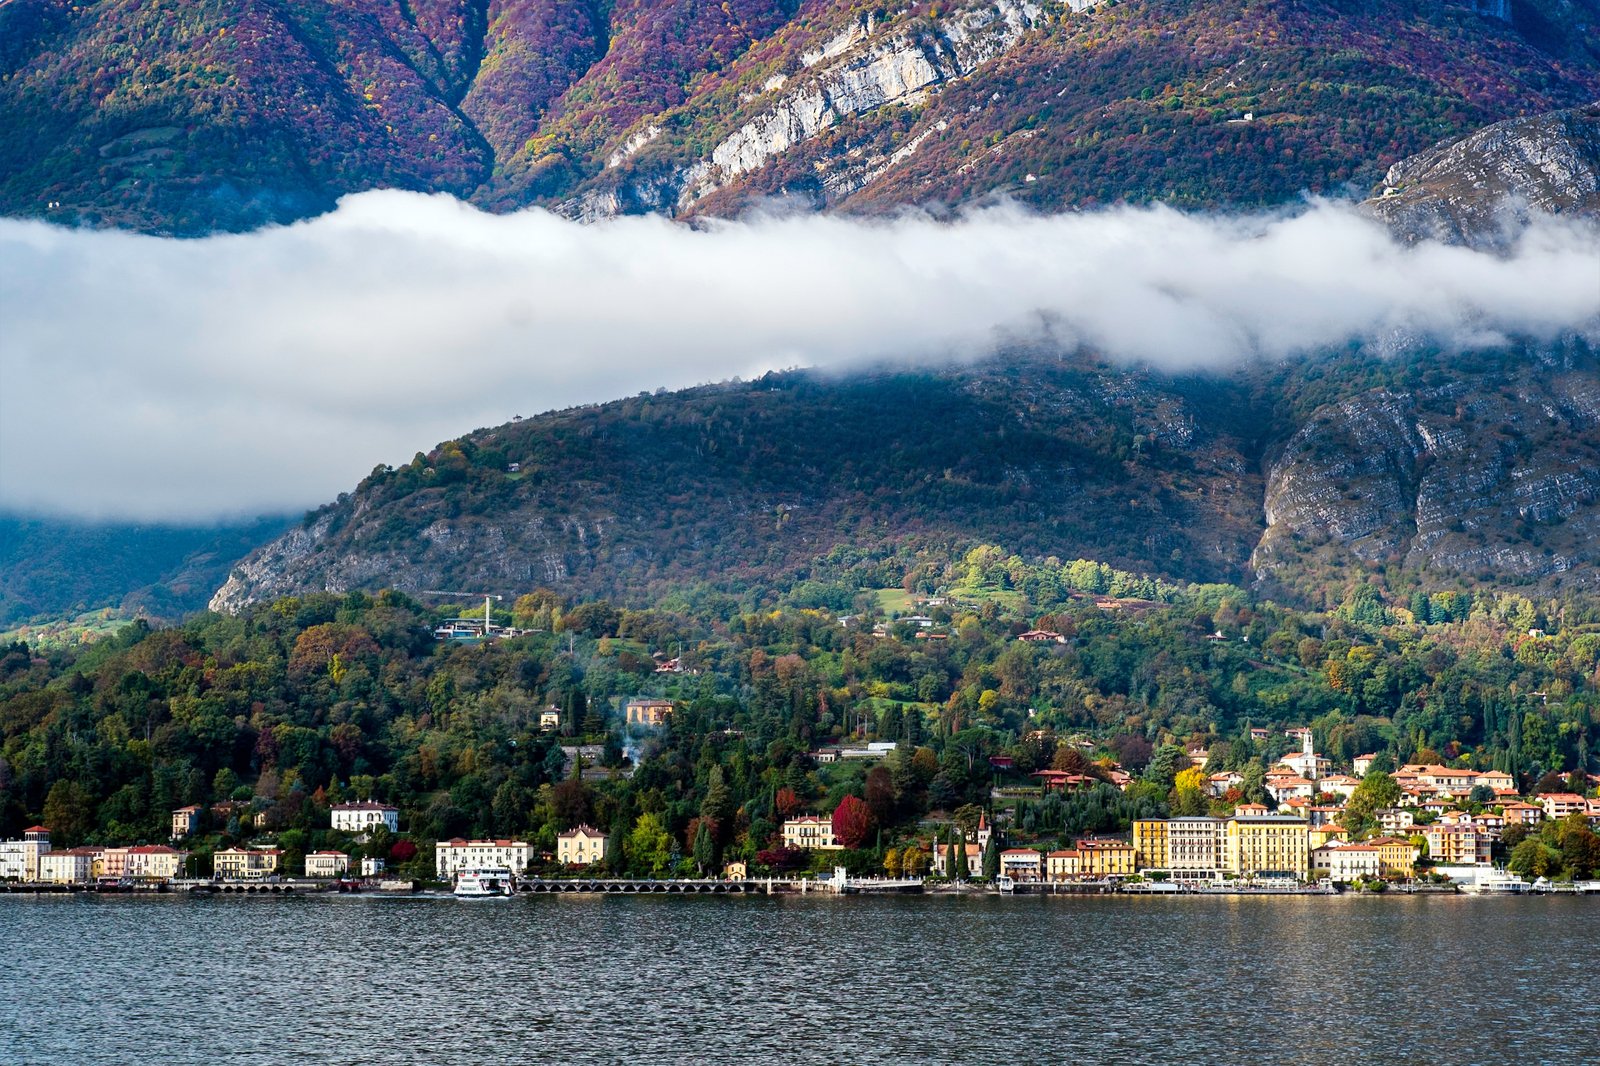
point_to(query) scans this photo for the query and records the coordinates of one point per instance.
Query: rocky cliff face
(1493, 477)
(1480, 189)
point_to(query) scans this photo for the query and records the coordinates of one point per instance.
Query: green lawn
(894, 601)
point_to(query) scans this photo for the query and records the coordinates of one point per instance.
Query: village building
(810, 833)
(1063, 781)
(452, 856)
(19, 859)
(1557, 805)
(580, 846)
(1107, 858)
(1022, 864)
(1348, 862)
(1396, 819)
(1283, 787)
(1452, 845)
(1520, 813)
(1268, 846)
(648, 713)
(1497, 781)
(1328, 832)
(1338, 785)
(550, 719)
(111, 864)
(185, 821)
(75, 866)
(1188, 849)
(974, 860)
(1397, 857)
(154, 862)
(1063, 865)
(1363, 763)
(1218, 784)
(245, 864)
(327, 864)
(363, 817)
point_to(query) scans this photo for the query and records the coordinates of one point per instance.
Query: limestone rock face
(1447, 479)
(1479, 189)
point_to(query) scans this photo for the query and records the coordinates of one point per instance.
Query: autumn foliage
(852, 821)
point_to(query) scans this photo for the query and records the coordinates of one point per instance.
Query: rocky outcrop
(866, 66)
(1501, 482)
(864, 74)
(1480, 190)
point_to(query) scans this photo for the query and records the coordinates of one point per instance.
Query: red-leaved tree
(852, 821)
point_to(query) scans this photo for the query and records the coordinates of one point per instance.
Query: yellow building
(581, 846)
(1268, 846)
(1063, 865)
(1190, 848)
(1396, 857)
(810, 832)
(1326, 833)
(647, 712)
(1107, 858)
(1151, 843)
(237, 864)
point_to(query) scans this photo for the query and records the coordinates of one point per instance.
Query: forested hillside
(1430, 470)
(281, 710)
(184, 117)
(51, 568)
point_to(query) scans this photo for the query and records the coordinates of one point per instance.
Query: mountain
(1479, 190)
(52, 568)
(187, 117)
(1431, 469)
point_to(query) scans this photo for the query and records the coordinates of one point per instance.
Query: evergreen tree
(991, 857)
(705, 849)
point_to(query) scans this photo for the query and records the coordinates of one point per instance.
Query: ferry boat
(1498, 883)
(486, 883)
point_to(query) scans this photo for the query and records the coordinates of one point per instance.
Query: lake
(605, 979)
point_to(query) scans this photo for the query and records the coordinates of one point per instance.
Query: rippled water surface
(799, 980)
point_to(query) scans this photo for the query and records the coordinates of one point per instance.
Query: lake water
(799, 980)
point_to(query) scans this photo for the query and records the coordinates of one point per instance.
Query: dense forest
(270, 716)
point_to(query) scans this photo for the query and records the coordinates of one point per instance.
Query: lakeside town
(1368, 828)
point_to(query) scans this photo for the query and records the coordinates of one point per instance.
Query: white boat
(1498, 883)
(486, 882)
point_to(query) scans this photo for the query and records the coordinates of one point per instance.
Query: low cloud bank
(144, 378)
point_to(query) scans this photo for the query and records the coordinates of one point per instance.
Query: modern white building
(362, 818)
(19, 859)
(327, 864)
(452, 856)
(371, 867)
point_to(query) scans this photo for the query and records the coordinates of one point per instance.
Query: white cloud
(149, 378)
